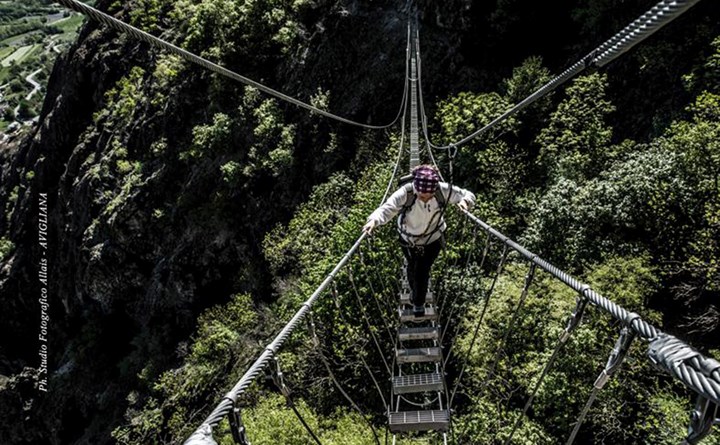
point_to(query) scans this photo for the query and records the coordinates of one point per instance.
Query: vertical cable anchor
(622, 346)
(575, 318)
(702, 419)
(311, 327)
(452, 151)
(276, 375)
(620, 350)
(237, 428)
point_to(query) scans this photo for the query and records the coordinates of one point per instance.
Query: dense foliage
(637, 221)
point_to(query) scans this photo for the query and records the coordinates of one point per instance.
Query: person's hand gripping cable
(369, 226)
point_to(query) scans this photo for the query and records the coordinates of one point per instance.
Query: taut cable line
(121, 26)
(666, 352)
(203, 434)
(643, 27)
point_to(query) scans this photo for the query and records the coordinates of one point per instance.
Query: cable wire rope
(640, 29)
(121, 26)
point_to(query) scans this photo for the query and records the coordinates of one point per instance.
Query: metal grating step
(419, 420)
(412, 383)
(405, 297)
(421, 333)
(419, 355)
(407, 315)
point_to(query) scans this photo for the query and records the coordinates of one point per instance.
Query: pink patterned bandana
(425, 180)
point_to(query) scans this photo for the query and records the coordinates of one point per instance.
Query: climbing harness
(436, 220)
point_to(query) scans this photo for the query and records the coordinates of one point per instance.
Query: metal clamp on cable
(452, 151)
(667, 352)
(276, 375)
(589, 60)
(702, 420)
(313, 333)
(237, 428)
(683, 362)
(575, 318)
(709, 367)
(622, 346)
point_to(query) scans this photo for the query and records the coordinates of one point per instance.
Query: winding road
(31, 81)
(36, 88)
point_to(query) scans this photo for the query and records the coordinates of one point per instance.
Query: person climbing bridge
(421, 204)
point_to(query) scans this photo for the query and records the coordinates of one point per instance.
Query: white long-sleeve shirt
(418, 225)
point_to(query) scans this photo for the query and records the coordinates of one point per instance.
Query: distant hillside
(32, 34)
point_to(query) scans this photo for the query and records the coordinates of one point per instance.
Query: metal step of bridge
(419, 420)
(420, 333)
(419, 355)
(407, 315)
(413, 383)
(405, 297)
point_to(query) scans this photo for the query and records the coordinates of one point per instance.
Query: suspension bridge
(419, 397)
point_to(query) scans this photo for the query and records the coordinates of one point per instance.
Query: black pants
(420, 259)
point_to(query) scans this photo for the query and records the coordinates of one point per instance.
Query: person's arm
(465, 199)
(387, 211)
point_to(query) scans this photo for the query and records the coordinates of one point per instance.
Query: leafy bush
(575, 143)
(123, 99)
(6, 246)
(222, 345)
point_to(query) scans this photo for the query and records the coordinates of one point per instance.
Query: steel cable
(362, 359)
(121, 26)
(533, 393)
(680, 360)
(367, 321)
(658, 16)
(441, 286)
(523, 295)
(464, 277)
(316, 343)
(488, 295)
(226, 404)
(291, 403)
(583, 413)
(386, 289)
(374, 297)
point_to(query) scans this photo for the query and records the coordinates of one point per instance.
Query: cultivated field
(32, 34)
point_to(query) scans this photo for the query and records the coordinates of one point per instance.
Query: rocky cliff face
(144, 231)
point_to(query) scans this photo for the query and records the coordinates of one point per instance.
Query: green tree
(525, 80)
(26, 111)
(575, 143)
(16, 86)
(9, 114)
(224, 340)
(6, 246)
(641, 201)
(697, 142)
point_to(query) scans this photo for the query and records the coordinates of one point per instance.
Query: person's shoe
(418, 311)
